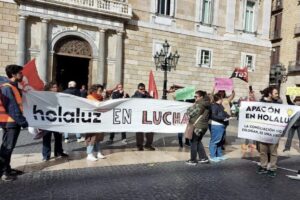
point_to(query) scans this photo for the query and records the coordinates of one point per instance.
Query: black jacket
(73, 91)
(218, 114)
(137, 94)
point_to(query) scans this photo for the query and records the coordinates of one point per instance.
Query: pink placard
(223, 84)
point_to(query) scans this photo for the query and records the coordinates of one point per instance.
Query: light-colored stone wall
(140, 34)
(226, 56)
(288, 44)
(8, 34)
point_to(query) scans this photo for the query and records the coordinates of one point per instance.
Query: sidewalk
(27, 155)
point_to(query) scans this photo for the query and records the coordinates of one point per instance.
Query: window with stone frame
(249, 16)
(248, 60)
(204, 57)
(207, 12)
(165, 7)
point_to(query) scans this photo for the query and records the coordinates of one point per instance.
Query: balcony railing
(294, 66)
(297, 29)
(276, 34)
(277, 5)
(114, 7)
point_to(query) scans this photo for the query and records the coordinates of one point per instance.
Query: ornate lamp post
(278, 75)
(166, 62)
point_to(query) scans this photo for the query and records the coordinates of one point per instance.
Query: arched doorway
(72, 61)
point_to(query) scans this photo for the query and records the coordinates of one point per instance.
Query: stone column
(101, 57)
(119, 57)
(22, 40)
(43, 64)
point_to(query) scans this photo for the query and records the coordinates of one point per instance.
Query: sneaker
(222, 158)
(8, 178)
(91, 157)
(187, 144)
(140, 149)
(80, 139)
(261, 170)
(214, 160)
(61, 155)
(46, 159)
(16, 172)
(100, 155)
(124, 141)
(271, 173)
(67, 140)
(203, 160)
(150, 148)
(109, 142)
(191, 162)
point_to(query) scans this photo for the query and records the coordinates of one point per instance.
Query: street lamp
(278, 75)
(165, 62)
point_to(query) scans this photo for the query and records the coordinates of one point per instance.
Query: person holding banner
(199, 115)
(58, 149)
(118, 94)
(219, 120)
(142, 93)
(268, 151)
(11, 119)
(93, 140)
(76, 92)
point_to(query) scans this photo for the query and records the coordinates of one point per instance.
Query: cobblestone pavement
(231, 179)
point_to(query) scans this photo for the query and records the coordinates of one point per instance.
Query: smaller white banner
(264, 122)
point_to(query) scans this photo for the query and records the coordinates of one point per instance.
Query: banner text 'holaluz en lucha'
(264, 122)
(67, 113)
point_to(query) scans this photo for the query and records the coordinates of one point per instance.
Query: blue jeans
(66, 135)
(217, 132)
(47, 144)
(93, 148)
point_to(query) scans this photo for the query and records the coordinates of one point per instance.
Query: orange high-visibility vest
(4, 117)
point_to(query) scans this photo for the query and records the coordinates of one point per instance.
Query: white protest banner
(264, 122)
(293, 91)
(67, 113)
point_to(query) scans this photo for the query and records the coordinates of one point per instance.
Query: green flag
(185, 93)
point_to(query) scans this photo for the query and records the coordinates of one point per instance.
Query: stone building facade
(112, 41)
(285, 38)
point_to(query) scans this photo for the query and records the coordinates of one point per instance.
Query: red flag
(241, 73)
(152, 86)
(31, 79)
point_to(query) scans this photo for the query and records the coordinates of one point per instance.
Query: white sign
(67, 113)
(264, 122)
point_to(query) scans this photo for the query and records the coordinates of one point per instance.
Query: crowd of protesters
(209, 113)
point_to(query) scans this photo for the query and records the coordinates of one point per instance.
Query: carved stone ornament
(73, 47)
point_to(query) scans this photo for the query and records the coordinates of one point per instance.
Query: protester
(270, 95)
(249, 144)
(76, 92)
(226, 102)
(219, 120)
(93, 139)
(118, 94)
(58, 149)
(295, 127)
(199, 117)
(11, 119)
(142, 93)
(83, 91)
(171, 94)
